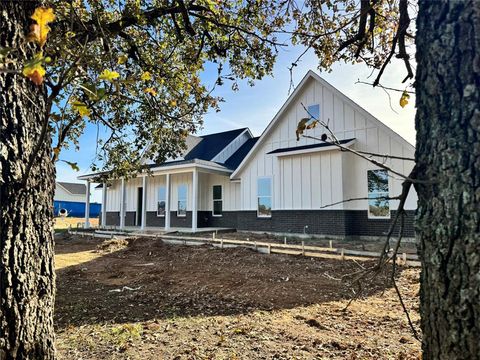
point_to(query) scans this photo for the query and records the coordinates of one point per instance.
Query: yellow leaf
(122, 59)
(173, 103)
(146, 76)
(150, 91)
(109, 75)
(404, 99)
(34, 69)
(38, 32)
(81, 108)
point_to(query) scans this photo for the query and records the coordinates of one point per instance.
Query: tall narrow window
(217, 200)
(378, 206)
(161, 200)
(182, 200)
(264, 197)
(314, 111)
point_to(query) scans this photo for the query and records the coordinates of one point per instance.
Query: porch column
(167, 202)
(104, 204)
(194, 199)
(144, 203)
(122, 205)
(87, 206)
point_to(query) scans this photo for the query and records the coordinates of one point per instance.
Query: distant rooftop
(74, 188)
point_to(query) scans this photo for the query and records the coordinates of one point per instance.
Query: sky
(254, 107)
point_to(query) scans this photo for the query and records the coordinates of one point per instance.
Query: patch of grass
(126, 333)
(74, 258)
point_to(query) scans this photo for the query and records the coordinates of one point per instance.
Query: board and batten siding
(114, 196)
(312, 180)
(230, 192)
(230, 149)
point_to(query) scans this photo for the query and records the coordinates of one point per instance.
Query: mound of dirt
(109, 246)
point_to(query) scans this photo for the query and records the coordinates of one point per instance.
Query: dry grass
(62, 223)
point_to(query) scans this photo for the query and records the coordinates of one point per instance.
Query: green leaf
(73, 165)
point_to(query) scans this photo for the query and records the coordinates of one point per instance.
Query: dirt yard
(144, 299)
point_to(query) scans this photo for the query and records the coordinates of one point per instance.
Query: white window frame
(263, 196)
(213, 201)
(164, 200)
(385, 194)
(178, 200)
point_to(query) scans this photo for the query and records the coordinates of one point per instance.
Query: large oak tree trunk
(27, 283)
(448, 155)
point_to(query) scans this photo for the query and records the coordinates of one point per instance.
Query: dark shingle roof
(238, 156)
(210, 145)
(306, 147)
(74, 188)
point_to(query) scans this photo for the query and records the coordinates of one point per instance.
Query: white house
(274, 183)
(65, 191)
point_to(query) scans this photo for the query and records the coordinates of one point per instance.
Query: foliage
(134, 68)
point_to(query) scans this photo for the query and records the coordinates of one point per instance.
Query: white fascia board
(313, 150)
(187, 168)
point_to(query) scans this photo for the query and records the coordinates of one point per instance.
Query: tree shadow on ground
(151, 280)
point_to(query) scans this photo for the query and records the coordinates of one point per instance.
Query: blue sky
(254, 107)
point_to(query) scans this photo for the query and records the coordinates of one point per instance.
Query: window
(264, 197)
(378, 206)
(161, 200)
(182, 200)
(217, 200)
(314, 111)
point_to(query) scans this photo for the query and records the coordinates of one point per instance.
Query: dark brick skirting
(130, 218)
(180, 221)
(229, 219)
(113, 218)
(342, 223)
(154, 220)
(329, 222)
(357, 223)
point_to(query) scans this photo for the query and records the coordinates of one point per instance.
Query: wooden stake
(221, 243)
(269, 249)
(303, 248)
(404, 258)
(342, 254)
(285, 240)
(330, 243)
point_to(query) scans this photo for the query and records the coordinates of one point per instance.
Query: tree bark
(27, 283)
(448, 155)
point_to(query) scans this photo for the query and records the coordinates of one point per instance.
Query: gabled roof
(73, 188)
(309, 75)
(237, 157)
(210, 145)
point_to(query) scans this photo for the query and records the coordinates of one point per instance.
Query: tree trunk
(448, 155)
(27, 283)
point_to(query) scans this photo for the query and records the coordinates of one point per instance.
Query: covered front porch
(177, 196)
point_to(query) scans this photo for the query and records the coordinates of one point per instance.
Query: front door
(138, 220)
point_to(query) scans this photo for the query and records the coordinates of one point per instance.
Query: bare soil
(150, 300)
